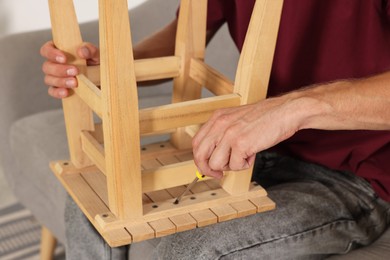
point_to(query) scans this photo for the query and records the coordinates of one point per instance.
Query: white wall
(27, 15)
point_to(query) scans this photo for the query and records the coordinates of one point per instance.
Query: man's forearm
(159, 44)
(345, 105)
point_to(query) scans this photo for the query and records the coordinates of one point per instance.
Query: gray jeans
(319, 212)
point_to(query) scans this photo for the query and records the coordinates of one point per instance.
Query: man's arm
(232, 137)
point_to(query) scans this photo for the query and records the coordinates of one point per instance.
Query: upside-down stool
(127, 190)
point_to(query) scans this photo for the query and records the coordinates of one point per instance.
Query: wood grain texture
(204, 217)
(90, 94)
(94, 150)
(183, 222)
(224, 212)
(145, 69)
(78, 116)
(190, 43)
(210, 78)
(163, 227)
(120, 103)
(157, 119)
(140, 232)
(254, 69)
(244, 208)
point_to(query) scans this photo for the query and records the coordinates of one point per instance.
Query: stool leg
(48, 244)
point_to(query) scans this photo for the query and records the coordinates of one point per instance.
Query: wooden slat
(117, 237)
(185, 156)
(78, 116)
(159, 195)
(167, 159)
(146, 199)
(203, 200)
(98, 183)
(263, 203)
(83, 195)
(94, 150)
(200, 186)
(213, 184)
(176, 191)
(120, 119)
(145, 69)
(150, 164)
(210, 78)
(224, 212)
(244, 208)
(163, 227)
(90, 94)
(183, 222)
(140, 232)
(157, 68)
(66, 167)
(169, 176)
(253, 70)
(151, 151)
(204, 217)
(183, 114)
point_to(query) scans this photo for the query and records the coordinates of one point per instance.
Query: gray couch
(32, 130)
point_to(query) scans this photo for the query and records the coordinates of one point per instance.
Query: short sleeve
(215, 14)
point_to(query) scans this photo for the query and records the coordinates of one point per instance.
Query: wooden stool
(125, 190)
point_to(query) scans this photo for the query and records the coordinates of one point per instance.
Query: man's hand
(59, 75)
(233, 136)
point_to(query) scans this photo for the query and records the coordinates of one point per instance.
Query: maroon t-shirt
(321, 41)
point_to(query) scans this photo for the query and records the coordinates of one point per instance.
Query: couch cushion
(35, 141)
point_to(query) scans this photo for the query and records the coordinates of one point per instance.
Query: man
(320, 142)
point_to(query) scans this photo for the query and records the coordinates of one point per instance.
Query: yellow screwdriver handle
(199, 175)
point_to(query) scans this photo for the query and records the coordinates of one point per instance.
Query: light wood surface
(94, 150)
(125, 190)
(184, 113)
(119, 94)
(145, 69)
(78, 116)
(254, 69)
(48, 244)
(210, 78)
(190, 43)
(90, 94)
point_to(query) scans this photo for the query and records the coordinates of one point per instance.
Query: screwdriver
(190, 186)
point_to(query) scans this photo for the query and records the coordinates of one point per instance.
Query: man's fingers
(89, 52)
(69, 82)
(58, 92)
(59, 70)
(51, 53)
(201, 158)
(219, 159)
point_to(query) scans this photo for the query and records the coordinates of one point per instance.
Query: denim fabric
(319, 212)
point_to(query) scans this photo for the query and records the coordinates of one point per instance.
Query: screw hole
(105, 215)
(143, 148)
(162, 145)
(155, 206)
(193, 198)
(213, 194)
(65, 163)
